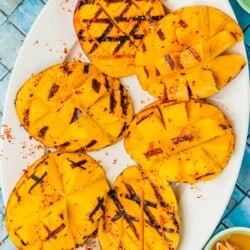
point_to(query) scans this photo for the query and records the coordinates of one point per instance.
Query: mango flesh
(110, 32)
(141, 213)
(178, 141)
(188, 53)
(57, 202)
(73, 106)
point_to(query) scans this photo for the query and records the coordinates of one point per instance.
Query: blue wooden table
(16, 18)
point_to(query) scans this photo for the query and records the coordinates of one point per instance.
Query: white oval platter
(52, 40)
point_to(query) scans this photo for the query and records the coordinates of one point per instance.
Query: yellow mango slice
(69, 106)
(57, 202)
(184, 49)
(180, 143)
(110, 32)
(141, 213)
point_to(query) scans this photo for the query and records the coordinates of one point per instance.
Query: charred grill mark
(78, 164)
(170, 61)
(97, 14)
(144, 47)
(124, 100)
(53, 90)
(23, 243)
(175, 221)
(157, 72)
(100, 205)
(205, 175)
(146, 204)
(124, 127)
(122, 40)
(96, 85)
(121, 19)
(66, 69)
(92, 143)
(128, 19)
(18, 196)
(132, 194)
(195, 54)
(223, 126)
(19, 237)
(149, 11)
(153, 152)
(161, 34)
(38, 180)
(138, 36)
(86, 69)
(122, 213)
(126, 8)
(106, 83)
(65, 144)
(104, 35)
(144, 117)
(94, 48)
(183, 24)
(76, 115)
(117, 216)
(80, 35)
(146, 71)
(26, 117)
(134, 29)
(97, 20)
(117, 39)
(113, 102)
(189, 90)
(156, 18)
(134, 197)
(42, 132)
(52, 234)
(179, 139)
(159, 196)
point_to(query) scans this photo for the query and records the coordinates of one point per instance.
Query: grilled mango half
(57, 203)
(187, 54)
(140, 213)
(181, 141)
(73, 106)
(110, 32)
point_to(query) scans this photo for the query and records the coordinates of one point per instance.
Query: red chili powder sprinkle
(36, 42)
(114, 161)
(65, 51)
(7, 134)
(197, 192)
(29, 150)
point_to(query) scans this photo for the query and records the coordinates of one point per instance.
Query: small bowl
(225, 234)
(245, 4)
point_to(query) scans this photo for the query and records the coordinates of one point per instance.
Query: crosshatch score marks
(113, 30)
(133, 34)
(140, 212)
(48, 204)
